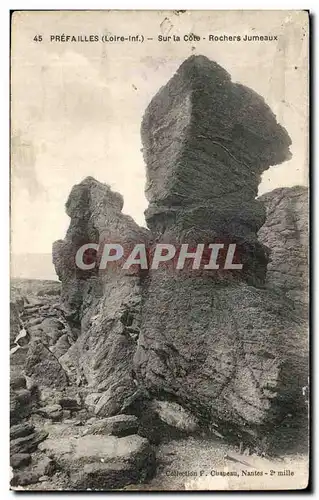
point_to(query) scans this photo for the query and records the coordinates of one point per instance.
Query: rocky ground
(58, 443)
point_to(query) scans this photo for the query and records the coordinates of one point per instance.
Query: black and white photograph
(159, 254)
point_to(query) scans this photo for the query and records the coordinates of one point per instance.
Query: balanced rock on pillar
(224, 349)
(206, 142)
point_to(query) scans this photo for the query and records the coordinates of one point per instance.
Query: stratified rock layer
(205, 137)
(206, 142)
(285, 232)
(227, 351)
(104, 306)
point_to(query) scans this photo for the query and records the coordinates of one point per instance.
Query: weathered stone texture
(102, 462)
(224, 351)
(206, 137)
(218, 344)
(206, 142)
(105, 305)
(286, 233)
(44, 368)
(229, 350)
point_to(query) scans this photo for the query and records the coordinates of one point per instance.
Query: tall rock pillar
(225, 349)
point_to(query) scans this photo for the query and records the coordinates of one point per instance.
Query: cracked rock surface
(286, 233)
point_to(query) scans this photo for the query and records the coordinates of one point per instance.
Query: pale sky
(77, 107)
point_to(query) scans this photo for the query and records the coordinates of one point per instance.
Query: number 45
(38, 38)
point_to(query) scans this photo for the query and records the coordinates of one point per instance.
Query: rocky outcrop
(37, 322)
(217, 344)
(103, 305)
(220, 347)
(230, 353)
(206, 142)
(96, 217)
(285, 232)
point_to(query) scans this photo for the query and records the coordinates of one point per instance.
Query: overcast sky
(77, 107)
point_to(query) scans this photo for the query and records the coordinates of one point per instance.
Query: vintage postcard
(159, 250)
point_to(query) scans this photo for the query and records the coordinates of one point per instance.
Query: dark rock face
(206, 142)
(20, 460)
(20, 405)
(24, 437)
(104, 306)
(107, 476)
(285, 232)
(102, 356)
(15, 324)
(225, 352)
(44, 368)
(219, 345)
(21, 430)
(69, 404)
(27, 444)
(61, 347)
(96, 217)
(202, 131)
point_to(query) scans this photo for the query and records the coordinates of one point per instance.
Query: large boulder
(232, 353)
(218, 343)
(206, 142)
(102, 462)
(175, 415)
(109, 476)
